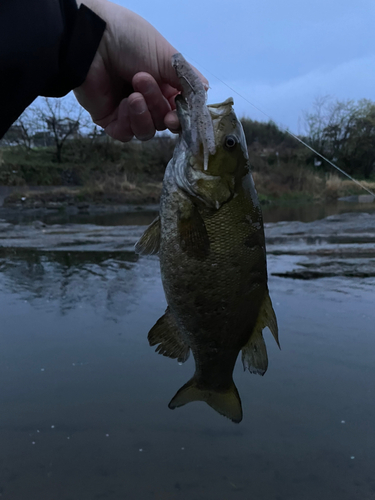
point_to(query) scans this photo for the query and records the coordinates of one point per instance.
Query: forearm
(48, 56)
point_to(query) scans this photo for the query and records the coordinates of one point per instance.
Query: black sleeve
(46, 48)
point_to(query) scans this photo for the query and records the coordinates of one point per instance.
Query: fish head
(215, 181)
(231, 156)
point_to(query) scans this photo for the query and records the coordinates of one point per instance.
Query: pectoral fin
(149, 242)
(165, 333)
(254, 353)
(193, 234)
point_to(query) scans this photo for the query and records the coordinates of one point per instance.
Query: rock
(362, 198)
(366, 198)
(83, 206)
(5, 226)
(54, 205)
(38, 224)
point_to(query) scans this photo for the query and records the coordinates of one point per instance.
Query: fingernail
(138, 106)
(147, 88)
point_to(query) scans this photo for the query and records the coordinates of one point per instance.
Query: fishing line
(290, 133)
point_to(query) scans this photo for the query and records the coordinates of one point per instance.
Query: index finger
(169, 93)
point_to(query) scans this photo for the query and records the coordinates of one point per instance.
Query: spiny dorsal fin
(165, 333)
(149, 242)
(193, 234)
(227, 403)
(254, 353)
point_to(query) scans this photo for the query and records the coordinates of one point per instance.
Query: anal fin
(254, 353)
(149, 242)
(267, 317)
(165, 332)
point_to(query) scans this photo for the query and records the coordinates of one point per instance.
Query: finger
(141, 120)
(170, 94)
(171, 122)
(157, 104)
(119, 127)
(168, 73)
(204, 80)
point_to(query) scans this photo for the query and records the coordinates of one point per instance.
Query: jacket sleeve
(46, 48)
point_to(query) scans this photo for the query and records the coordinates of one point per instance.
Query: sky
(279, 55)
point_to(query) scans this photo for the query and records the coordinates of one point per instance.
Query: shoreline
(39, 201)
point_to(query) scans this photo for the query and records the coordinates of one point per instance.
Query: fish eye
(230, 141)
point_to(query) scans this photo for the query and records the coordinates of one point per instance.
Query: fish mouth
(195, 117)
(192, 139)
(183, 114)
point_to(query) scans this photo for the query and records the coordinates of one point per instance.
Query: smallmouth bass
(210, 240)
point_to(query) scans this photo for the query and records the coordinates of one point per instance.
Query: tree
(23, 129)
(265, 133)
(344, 131)
(63, 118)
(316, 121)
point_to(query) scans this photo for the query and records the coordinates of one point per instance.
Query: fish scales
(213, 290)
(211, 245)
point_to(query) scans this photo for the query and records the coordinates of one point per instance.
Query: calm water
(305, 212)
(84, 399)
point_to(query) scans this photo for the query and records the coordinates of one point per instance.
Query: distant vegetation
(55, 144)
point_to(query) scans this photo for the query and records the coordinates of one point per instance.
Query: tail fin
(227, 403)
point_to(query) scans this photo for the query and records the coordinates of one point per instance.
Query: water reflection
(105, 280)
(308, 212)
(142, 216)
(83, 397)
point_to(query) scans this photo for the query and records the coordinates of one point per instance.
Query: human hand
(131, 85)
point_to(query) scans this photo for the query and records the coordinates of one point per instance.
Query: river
(84, 399)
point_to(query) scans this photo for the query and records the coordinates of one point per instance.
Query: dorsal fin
(165, 332)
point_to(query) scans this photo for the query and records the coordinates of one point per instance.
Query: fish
(210, 240)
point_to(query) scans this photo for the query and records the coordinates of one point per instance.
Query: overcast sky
(280, 55)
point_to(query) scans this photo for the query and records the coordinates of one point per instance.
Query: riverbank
(83, 198)
(110, 173)
(101, 197)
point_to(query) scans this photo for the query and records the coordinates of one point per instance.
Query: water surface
(84, 399)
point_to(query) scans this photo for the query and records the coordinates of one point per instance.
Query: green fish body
(210, 240)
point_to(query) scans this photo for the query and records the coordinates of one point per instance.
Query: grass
(110, 172)
(337, 187)
(284, 178)
(94, 192)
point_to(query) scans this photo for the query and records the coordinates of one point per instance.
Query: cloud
(285, 102)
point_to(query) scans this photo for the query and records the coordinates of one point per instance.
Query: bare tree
(63, 118)
(344, 131)
(317, 120)
(23, 129)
